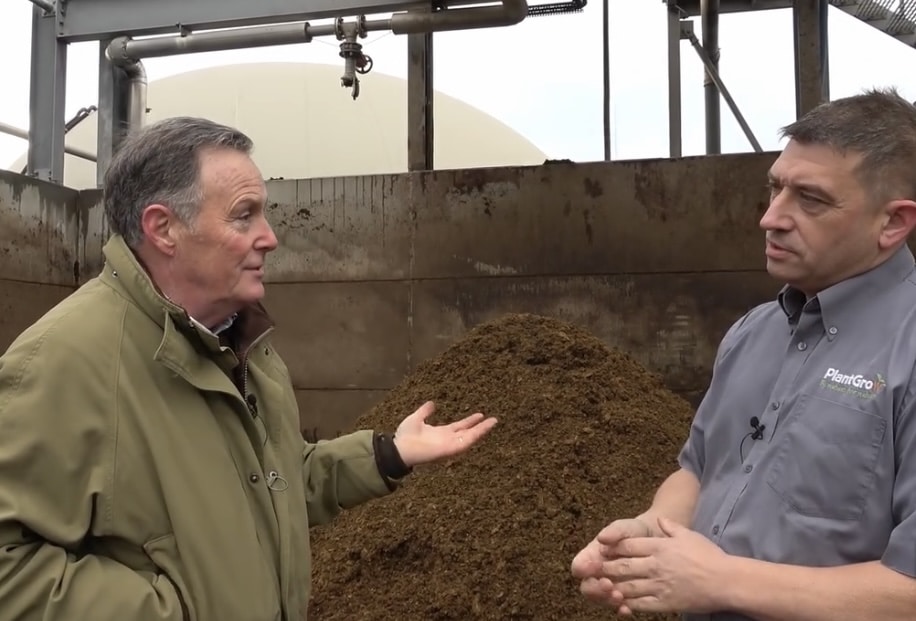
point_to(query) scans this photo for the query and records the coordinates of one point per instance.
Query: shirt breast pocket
(824, 465)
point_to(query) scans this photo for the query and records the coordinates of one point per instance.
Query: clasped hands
(633, 569)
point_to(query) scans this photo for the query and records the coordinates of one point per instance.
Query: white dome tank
(305, 125)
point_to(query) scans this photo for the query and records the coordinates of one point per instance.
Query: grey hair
(159, 164)
(877, 124)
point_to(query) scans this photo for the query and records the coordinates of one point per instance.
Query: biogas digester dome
(305, 125)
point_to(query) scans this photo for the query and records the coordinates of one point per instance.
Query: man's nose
(776, 215)
(267, 241)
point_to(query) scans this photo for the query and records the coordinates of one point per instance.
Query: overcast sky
(544, 76)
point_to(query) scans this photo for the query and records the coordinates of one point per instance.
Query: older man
(796, 494)
(151, 463)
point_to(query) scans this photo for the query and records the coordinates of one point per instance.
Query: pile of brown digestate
(585, 435)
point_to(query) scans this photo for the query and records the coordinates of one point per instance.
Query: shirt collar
(844, 301)
(216, 330)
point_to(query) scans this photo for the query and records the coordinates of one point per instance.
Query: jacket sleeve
(340, 474)
(56, 447)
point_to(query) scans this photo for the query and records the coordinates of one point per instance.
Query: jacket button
(254, 478)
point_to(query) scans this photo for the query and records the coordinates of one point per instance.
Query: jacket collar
(123, 270)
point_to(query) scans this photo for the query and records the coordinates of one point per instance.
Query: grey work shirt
(832, 479)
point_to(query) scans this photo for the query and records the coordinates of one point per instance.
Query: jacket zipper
(273, 477)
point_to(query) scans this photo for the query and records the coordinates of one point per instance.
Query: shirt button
(832, 330)
(774, 405)
(748, 468)
(715, 529)
(253, 477)
(802, 346)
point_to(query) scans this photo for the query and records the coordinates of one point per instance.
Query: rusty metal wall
(39, 241)
(376, 274)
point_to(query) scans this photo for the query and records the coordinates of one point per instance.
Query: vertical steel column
(812, 75)
(709, 15)
(47, 99)
(420, 102)
(674, 80)
(606, 70)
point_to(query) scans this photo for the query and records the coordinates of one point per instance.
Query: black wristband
(388, 459)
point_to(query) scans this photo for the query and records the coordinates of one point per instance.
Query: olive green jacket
(138, 483)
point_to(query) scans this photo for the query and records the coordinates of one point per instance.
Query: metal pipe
(511, 12)
(21, 133)
(709, 15)
(47, 6)
(124, 50)
(136, 97)
(675, 134)
(823, 9)
(720, 85)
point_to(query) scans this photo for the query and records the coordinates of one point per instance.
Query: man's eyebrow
(810, 188)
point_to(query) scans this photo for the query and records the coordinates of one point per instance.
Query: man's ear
(160, 228)
(900, 222)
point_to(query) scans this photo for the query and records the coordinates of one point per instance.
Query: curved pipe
(124, 51)
(137, 88)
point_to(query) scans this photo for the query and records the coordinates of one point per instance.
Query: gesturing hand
(420, 443)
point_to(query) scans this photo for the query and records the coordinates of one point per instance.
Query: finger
(634, 547)
(649, 603)
(633, 589)
(585, 567)
(470, 436)
(626, 568)
(597, 589)
(466, 423)
(621, 529)
(425, 411)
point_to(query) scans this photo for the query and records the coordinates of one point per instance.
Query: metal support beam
(709, 10)
(92, 20)
(812, 75)
(47, 99)
(420, 102)
(674, 81)
(687, 33)
(606, 64)
(114, 110)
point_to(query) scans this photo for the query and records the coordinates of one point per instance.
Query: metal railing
(896, 18)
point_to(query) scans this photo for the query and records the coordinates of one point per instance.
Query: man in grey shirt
(796, 494)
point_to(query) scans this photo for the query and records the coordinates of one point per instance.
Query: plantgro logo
(864, 386)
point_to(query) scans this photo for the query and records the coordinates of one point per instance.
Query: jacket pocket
(825, 462)
(163, 551)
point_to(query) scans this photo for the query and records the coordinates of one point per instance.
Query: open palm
(419, 442)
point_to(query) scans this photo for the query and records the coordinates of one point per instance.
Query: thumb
(670, 527)
(425, 411)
